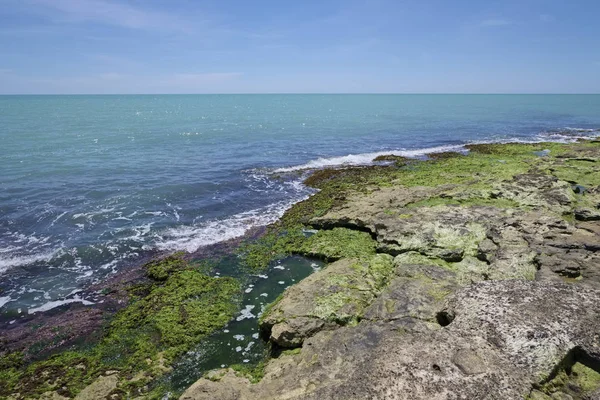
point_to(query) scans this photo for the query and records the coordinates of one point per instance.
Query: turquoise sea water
(90, 184)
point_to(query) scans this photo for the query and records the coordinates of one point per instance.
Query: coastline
(343, 221)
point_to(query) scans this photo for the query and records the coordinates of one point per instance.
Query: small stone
(468, 362)
(586, 214)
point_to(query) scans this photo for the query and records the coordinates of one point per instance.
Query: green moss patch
(465, 202)
(577, 380)
(159, 270)
(339, 243)
(352, 293)
(254, 373)
(142, 340)
(277, 243)
(445, 155)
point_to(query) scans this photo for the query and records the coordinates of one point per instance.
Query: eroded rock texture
(479, 290)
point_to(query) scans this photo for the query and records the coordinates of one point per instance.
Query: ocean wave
(191, 238)
(4, 300)
(569, 134)
(366, 158)
(564, 135)
(57, 303)
(16, 260)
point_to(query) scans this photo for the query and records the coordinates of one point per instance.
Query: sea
(90, 185)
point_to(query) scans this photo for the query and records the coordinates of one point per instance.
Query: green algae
(275, 244)
(254, 373)
(343, 307)
(399, 160)
(269, 308)
(292, 352)
(578, 380)
(142, 340)
(187, 306)
(464, 202)
(325, 244)
(481, 170)
(354, 293)
(339, 243)
(444, 155)
(159, 270)
(413, 257)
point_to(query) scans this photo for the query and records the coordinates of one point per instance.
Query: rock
(469, 362)
(587, 214)
(336, 295)
(494, 291)
(417, 292)
(52, 396)
(537, 395)
(486, 250)
(206, 389)
(99, 389)
(292, 332)
(506, 336)
(537, 190)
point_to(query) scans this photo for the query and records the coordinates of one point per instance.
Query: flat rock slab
(504, 339)
(334, 296)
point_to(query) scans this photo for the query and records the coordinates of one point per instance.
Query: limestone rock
(587, 214)
(506, 337)
(99, 389)
(336, 295)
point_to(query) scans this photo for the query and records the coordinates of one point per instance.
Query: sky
(301, 46)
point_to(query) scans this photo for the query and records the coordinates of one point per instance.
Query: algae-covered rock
(141, 342)
(339, 243)
(159, 270)
(587, 214)
(416, 292)
(99, 389)
(336, 295)
(505, 338)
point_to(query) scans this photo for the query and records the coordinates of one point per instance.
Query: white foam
(365, 158)
(246, 313)
(191, 238)
(57, 218)
(14, 261)
(57, 303)
(564, 135)
(4, 300)
(238, 337)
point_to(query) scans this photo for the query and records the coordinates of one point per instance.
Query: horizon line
(301, 93)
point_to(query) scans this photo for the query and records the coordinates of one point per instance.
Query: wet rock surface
(491, 290)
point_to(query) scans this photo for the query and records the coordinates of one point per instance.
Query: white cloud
(495, 22)
(110, 13)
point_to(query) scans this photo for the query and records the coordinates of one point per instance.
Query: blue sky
(241, 46)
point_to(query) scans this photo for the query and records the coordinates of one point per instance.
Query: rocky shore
(469, 275)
